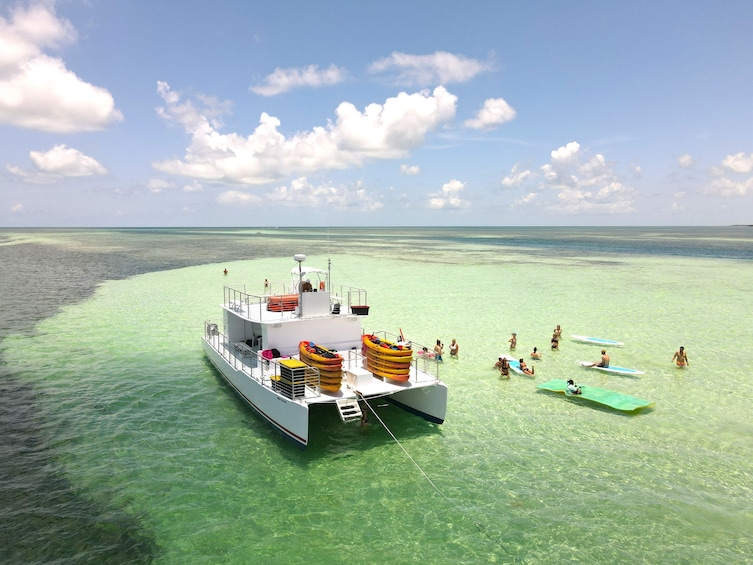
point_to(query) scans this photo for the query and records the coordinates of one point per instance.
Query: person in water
(525, 368)
(681, 357)
(454, 348)
(503, 366)
(555, 342)
(513, 341)
(557, 332)
(535, 354)
(604, 360)
(572, 388)
(438, 351)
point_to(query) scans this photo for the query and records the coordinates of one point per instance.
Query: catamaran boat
(300, 344)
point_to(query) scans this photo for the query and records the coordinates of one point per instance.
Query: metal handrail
(251, 362)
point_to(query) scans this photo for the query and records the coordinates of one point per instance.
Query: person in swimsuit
(513, 341)
(681, 357)
(503, 366)
(535, 354)
(525, 368)
(572, 388)
(438, 351)
(604, 360)
(557, 332)
(454, 349)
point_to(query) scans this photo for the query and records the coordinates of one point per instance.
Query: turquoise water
(144, 425)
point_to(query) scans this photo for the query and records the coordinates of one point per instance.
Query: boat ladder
(349, 409)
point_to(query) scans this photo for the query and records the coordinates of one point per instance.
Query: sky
(338, 113)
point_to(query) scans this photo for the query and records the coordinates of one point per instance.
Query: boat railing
(268, 372)
(239, 300)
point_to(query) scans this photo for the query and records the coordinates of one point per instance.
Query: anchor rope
(479, 526)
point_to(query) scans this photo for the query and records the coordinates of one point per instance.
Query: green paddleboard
(615, 400)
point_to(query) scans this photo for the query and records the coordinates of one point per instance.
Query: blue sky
(224, 113)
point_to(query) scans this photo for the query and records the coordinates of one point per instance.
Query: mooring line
(479, 526)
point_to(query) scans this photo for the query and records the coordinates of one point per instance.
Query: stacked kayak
(609, 398)
(329, 363)
(386, 359)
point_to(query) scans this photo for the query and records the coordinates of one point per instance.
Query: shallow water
(140, 427)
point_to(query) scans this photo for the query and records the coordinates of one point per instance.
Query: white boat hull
(288, 416)
(428, 402)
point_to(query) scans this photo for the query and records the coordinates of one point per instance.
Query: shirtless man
(438, 351)
(681, 357)
(604, 360)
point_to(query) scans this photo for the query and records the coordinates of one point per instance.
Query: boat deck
(357, 380)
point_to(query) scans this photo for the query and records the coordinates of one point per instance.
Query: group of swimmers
(555, 342)
(439, 350)
(503, 364)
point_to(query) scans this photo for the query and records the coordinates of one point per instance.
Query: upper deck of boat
(275, 307)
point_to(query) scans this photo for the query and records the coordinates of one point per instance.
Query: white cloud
(193, 187)
(496, 111)
(238, 197)
(582, 183)
(448, 196)
(28, 32)
(723, 185)
(409, 170)
(517, 176)
(685, 161)
(302, 194)
(17, 208)
(59, 162)
(156, 186)
(381, 131)
(739, 163)
(66, 162)
(282, 80)
(527, 199)
(37, 91)
(427, 70)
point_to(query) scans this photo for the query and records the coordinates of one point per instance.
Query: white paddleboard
(611, 369)
(597, 341)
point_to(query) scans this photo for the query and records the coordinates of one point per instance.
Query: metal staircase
(349, 409)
